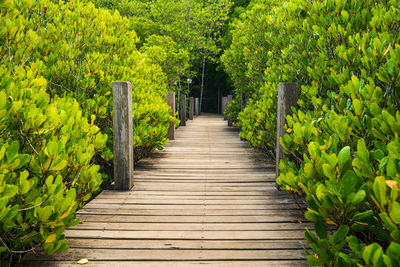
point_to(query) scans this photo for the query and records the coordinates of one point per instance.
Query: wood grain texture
(207, 199)
(171, 104)
(123, 138)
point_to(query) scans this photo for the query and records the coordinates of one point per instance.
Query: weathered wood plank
(161, 201)
(188, 212)
(195, 188)
(266, 218)
(147, 263)
(205, 174)
(186, 244)
(199, 193)
(151, 179)
(153, 254)
(217, 207)
(192, 226)
(181, 197)
(210, 235)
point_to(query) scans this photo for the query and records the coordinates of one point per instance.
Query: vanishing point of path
(206, 199)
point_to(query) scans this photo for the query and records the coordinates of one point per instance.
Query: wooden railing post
(196, 106)
(287, 97)
(219, 108)
(243, 103)
(224, 105)
(245, 99)
(191, 107)
(171, 104)
(183, 110)
(123, 139)
(229, 99)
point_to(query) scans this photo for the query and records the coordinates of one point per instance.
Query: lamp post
(189, 81)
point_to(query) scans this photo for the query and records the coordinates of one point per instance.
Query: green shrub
(343, 141)
(57, 64)
(86, 49)
(46, 172)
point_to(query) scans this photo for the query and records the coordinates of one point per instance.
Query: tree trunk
(202, 82)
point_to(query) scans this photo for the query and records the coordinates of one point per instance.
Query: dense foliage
(343, 140)
(186, 33)
(57, 64)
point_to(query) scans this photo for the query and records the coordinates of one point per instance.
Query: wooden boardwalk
(205, 199)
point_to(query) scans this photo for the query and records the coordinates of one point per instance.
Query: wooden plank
(153, 254)
(201, 180)
(185, 244)
(155, 197)
(206, 164)
(219, 171)
(188, 212)
(210, 189)
(204, 174)
(204, 149)
(246, 154)
(192, 234)
(147, 263)
(219, 186)
(201, 163)
(214, 207)
(192, 167)
(192, 226)
(182, 186)
(161, 201)
(199, 193)
(266, 218)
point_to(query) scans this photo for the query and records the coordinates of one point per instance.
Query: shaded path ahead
(206, 198)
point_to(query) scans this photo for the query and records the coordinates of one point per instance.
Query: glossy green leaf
(343, 156)
(12, 151)
(321, 230)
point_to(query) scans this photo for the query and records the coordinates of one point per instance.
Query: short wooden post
(245, 99)
(183, 110)
(196, 106)
(287, 97)
(224, 105)
(219, 111)
(229, 99)
(123, 139)
(171, 104)
(191, 107)
(243, 104)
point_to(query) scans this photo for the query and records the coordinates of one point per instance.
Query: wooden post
(196, 106)
(171, 104)
(224, 105)
(191, 107)
(287, 97)
(219, 111)
(183, 110)
(229, 99)
(243, 104)
(123, 139)
(245, 99)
